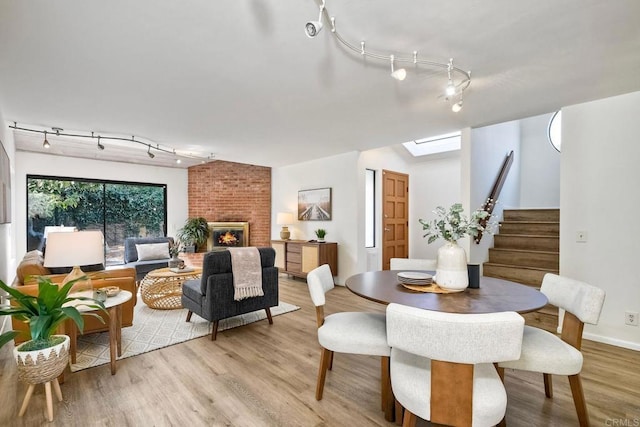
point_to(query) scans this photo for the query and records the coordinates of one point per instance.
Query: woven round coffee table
(162, 288)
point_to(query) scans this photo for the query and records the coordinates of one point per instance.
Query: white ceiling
(240, 79)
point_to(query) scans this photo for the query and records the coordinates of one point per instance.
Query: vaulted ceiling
(239, 79)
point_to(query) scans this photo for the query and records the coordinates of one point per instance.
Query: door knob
(386, 229)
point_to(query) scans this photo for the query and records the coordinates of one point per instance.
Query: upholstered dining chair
(412, 264)
(544, 352)
(442, 364)
(349, 332)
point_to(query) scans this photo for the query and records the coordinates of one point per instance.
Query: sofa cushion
(152, 251)
(130, 252)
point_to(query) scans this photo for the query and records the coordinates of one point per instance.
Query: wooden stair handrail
(495, 193)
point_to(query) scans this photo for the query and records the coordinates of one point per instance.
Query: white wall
(539, 165)
(7, 231)
(434, 182)
(599, 194)
(485, 151)
(338, 172)
(44, 164)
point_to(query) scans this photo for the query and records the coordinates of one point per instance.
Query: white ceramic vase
(451, 272)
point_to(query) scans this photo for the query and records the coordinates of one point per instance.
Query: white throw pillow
(151, 251)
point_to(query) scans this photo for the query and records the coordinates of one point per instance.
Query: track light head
(149, 153)
(312, 28)
(457, 106)
(399, 74)
(100, 146)
(451, 89)
(46, 144)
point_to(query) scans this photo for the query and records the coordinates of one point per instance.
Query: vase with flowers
(452, 225)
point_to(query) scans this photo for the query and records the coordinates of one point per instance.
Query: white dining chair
(412, 264)
(442, 364)
(544, 352)
(349, 332)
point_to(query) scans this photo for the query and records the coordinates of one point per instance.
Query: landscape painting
(314, 205)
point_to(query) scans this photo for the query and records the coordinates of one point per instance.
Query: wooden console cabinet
(298, 257)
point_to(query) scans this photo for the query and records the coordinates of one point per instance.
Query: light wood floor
(261, 375)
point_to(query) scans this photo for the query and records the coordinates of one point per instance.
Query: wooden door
(395, 216)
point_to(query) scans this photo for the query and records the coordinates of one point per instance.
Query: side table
(114, 308)
(162, 288)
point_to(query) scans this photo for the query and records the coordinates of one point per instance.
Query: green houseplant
(320, 233)
(45, 356)
(194, 233)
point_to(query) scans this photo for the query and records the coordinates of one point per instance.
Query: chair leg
(189, 313)
(331, 362)
(578, 400)
(399, 412)
(386, 395)
(268, 310)
(322, 371)
(500, 372)
(548, 385)
(409, 419)
(214, 330)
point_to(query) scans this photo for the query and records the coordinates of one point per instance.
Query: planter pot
(42, 366)
(451, 272)
(174, 262)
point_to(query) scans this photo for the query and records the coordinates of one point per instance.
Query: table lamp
(79, 248)
(284, 219)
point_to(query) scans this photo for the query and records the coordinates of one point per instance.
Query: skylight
(434, 144)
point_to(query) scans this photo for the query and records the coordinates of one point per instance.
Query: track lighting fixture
(458, 79)
(46, 144)
(457, 107)
(161, 149)
(400, 73)
(312, 28)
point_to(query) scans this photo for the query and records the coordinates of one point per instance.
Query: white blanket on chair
(247, 273)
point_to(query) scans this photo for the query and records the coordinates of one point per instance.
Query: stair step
(525, 258)
(526, 275)
(531, 215)
(527, 242)
(546, 318)
(538, 228)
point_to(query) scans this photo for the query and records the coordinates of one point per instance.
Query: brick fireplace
(235, 193)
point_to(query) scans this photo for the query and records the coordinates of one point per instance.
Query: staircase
(525, 249)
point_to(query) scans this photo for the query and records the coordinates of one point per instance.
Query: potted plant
(43, 358)
(451, 225)
(194, 233)
(320, 233)
(174, 251)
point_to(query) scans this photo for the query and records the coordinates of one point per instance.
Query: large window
(118, 209)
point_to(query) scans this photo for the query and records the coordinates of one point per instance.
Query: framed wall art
(5, 186)
(314, 205)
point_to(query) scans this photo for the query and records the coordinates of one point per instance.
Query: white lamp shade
(74, 249)
(284, 218)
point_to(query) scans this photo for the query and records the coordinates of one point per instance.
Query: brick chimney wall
(226, 191)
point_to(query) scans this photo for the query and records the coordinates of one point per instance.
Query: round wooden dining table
(493, 295)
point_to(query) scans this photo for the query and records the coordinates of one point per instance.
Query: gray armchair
(211, 297)
(143, 267)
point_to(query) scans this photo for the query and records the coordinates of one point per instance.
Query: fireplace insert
(227, 235)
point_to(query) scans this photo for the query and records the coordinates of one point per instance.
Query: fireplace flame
(228, 239)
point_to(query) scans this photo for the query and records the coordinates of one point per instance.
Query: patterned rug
(154, 329)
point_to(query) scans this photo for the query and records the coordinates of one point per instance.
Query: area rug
(154, 329)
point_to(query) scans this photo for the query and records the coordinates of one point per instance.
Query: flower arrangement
(453, 224)
(174, 249)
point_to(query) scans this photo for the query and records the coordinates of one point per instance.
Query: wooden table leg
(113, 327)
(56, 388)
(119, 329)
(73, 340)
